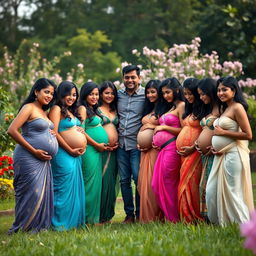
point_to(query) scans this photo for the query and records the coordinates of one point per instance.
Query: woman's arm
(13, 130)
(241, 117)
(170, 129)
(174, 130)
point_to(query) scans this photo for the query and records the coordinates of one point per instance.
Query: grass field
(130, 239)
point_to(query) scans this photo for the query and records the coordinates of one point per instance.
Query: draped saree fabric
(149, 209)
(69, 197)
(165, 179)
(229, 188)
(109, 176)
(33, 179)
(190, 172)
(92, 164)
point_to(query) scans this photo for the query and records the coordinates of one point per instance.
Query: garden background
(81, 40)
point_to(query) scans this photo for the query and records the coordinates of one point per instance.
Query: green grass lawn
(130, 239)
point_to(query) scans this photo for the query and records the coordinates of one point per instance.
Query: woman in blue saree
(69, 195)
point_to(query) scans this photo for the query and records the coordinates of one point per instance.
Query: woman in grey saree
(32, 155)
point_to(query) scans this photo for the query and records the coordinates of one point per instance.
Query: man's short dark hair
(129, 68)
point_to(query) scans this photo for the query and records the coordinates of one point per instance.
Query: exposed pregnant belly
(205, 140)
(112, 134)
(145, 138)
(74, 138)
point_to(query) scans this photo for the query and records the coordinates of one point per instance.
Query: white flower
(80, 65)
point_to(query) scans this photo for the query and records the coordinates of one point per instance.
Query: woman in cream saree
(229, 188)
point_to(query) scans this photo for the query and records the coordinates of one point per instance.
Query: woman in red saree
(191, 166)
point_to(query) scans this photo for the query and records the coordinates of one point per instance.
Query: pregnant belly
(112, 134)
(161, 137)
(145, 138)
(46, 142)
(219, 142)
(187, 137)
(205, 140)
(74, 138)
(98, 134)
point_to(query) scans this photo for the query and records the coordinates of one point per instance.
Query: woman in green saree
(107, 111)
(97, 140)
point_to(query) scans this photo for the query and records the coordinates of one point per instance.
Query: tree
(230, 29)
(9, 21)
(86, 49)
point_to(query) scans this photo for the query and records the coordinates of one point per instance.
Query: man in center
(130, 109)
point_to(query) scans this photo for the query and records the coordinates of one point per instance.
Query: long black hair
(149, 106)
(40, 84)
(194, 108)
(162, 105)
(103, 87)
(86, 89)
(232, 83)
(209, 88)
(64, 89)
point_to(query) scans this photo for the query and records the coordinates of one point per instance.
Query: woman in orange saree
(191, 165)
(149, 209)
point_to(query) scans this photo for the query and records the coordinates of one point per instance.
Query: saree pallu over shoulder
(229, 194)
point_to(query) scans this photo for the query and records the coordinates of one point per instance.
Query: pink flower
(248, 230)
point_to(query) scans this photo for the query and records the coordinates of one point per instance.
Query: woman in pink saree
(165, 180)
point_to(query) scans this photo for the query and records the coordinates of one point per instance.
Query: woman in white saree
(229, 188)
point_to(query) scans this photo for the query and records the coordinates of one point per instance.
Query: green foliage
(252, 116)
(87, 48)
(229, 27)
(7, 204)
(4, 99)
(6, 142)
(252, 107)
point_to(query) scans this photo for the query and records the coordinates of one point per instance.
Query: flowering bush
(6, 168)
(6, 142)
(6, 189)
(248, 230)
(18, 75)
(185, 60)
(6, 177)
